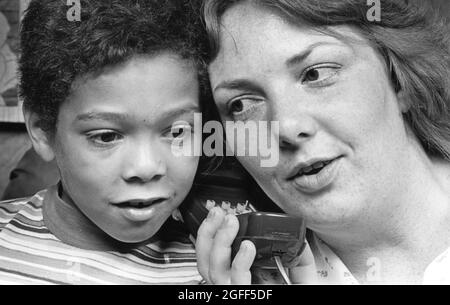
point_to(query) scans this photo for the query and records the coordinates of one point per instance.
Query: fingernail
(243, 247)
(212, 214)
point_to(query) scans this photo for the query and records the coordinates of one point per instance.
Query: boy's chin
(135, 237)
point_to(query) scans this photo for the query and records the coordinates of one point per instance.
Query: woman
(364, 134)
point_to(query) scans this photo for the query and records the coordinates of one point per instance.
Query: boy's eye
(178, 132)
(108, 137)
(104, 137)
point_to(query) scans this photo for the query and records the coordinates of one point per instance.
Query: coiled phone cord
(282, 270)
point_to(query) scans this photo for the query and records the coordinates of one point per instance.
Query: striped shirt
(31, 254)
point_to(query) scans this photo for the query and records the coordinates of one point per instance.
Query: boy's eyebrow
(102, 116)
(120, 117)
(180, 111)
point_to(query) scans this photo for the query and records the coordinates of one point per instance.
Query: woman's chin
(323, 213)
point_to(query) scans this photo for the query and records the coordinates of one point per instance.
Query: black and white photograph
(240, 144)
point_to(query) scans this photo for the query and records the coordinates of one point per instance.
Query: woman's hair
(414, 42)
(56, 51)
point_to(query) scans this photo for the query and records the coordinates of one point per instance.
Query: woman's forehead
(278, 40)
(245, 24)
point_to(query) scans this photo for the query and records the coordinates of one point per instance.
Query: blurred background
(13, 137)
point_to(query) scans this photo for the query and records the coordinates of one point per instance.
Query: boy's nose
(144, 164)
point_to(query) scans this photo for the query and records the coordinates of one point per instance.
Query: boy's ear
(403, 101)
(39, 139)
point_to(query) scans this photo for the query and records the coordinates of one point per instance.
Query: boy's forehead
(150, 87)
(152, 62)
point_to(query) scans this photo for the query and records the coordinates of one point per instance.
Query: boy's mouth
(140, 203)
(140, 210)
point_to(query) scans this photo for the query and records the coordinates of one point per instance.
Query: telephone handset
(278, 238)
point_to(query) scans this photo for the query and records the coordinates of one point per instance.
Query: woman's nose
(296, 126)
(144, 164)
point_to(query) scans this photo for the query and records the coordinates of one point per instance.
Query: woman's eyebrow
(246, 85)
(239, 84)
(301, 56)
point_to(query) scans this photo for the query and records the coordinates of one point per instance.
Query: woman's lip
(294, 173)
(317, 182)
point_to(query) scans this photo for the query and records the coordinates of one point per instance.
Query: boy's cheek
(87, 174)
(183, 170)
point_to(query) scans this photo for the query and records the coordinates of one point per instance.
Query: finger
(305, 272)
(220, 259)
(240, 268)
(205, 239)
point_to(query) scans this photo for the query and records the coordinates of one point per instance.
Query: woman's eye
(312, 75)
(105, 138)
(319, 74)
(244, 107)
(237, 106)
(241, 105)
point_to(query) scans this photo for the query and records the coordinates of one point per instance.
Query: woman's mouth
(314, 168)
(315, 175)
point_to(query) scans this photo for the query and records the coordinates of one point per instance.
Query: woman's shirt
(331, 269)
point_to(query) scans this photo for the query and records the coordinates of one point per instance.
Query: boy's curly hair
(56, 51)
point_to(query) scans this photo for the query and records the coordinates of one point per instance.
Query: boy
(102, 97)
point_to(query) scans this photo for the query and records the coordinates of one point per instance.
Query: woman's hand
(213, 246)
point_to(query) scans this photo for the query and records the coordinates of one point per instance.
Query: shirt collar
(71, 226)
